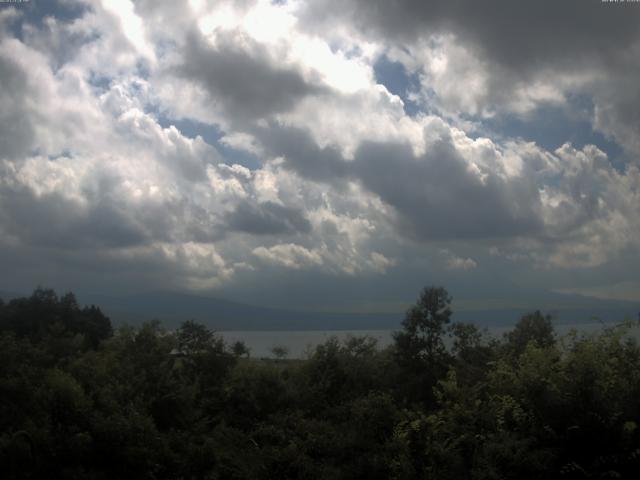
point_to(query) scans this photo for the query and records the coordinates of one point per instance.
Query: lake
(301, 342)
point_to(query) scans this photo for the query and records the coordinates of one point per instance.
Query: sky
(335, 155)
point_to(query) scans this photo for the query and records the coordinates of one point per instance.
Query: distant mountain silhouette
(219, 314)
(224, 315)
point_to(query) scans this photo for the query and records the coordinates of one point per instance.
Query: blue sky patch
(35, 11)
(394, 77)
(551, 126)
(212, 135)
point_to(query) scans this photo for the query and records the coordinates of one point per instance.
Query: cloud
(535, 31)
(454, 262)
(616, 113)
(16, 131)
(289, 255)
(131, 25)
(100, 172)
(53, 220)
(496, 57)
(437, 195)
(301, 153)
(240, 75)
(267, 218)
(20, 95)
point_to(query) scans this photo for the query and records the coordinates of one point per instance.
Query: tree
(424, 327)
(419, 347)
(195, 338)
(280, 351)
(240, 349)
(466, 339)
(533, 327)
(44, 315)
(472, 352)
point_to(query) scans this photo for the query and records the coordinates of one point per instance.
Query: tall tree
(533, 327)
(419, 347)
(424, 325)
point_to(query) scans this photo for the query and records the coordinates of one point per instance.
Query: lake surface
(301, 343)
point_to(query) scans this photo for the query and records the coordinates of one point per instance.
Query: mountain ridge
(227, 315)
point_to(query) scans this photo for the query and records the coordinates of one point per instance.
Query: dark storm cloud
(436, 197)
(51, 220)
(245, 80)
(519, 43)
(267, 218)
(105, 217)
(617, 109)
(302, 154)
(522, 35)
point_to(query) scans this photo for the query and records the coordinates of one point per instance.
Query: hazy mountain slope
(221, 314)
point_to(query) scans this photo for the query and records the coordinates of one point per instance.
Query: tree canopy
(79, 400)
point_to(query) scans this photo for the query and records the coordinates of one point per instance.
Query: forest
(80, 399)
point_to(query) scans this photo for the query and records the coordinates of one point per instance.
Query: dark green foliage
(534, 327)
(419, 348)
(78, 401)
(280, 351)
(240, 349)
(421, 340)
(45, 317)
